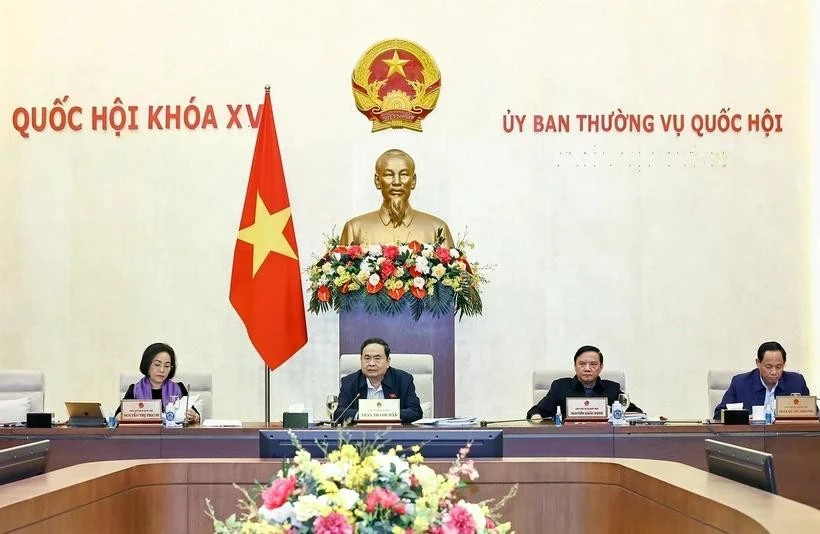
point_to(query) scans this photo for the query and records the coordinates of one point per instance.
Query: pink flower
(460, 521)
(278, 492)
(387, 268)
(354, 251)
(332, 523)
(390, 251)
(443, 254)
(384, 498)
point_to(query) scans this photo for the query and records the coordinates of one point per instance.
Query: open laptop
(85, 414)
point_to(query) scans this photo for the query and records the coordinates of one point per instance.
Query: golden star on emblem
(396, 64)
(266, 234)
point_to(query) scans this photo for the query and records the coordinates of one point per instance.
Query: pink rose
(443, 255)
(332, 523)
(390, 251)
(278, 492)
(460, 521)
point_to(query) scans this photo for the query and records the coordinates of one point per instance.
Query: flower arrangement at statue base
(426, 277)
(361, 489)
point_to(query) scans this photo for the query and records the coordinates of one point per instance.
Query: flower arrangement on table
(364, 490)
(427, 277)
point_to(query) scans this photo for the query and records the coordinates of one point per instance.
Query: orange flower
(418, 292)
(372, 289)
(415, 246)
(396, 294)
(323, 294)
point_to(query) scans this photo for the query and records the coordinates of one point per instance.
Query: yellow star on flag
(396, 64)
(266, 234)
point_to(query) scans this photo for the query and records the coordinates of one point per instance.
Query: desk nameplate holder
(587, 409)
(795, 407)
(379, 410)
(141, 411)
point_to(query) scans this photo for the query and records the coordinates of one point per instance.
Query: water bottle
(617, 413)
(769, 414)
(558, 419)
(170, 415)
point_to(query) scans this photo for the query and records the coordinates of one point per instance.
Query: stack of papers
(635, 416)
(447, 421)
(221, 423)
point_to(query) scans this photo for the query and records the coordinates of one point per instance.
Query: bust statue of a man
(395, 221)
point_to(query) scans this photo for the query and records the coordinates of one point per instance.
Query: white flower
(334, 471)
(347, 498)
(380, 260)
(277, 515)
(439, 270)
(418, 282)
(365, 267)
(326, 268)
(427, 252)
(399, 272)
(324, 280)
(477, 513)
(454, 253)
(308, 506)
(374, 279)
(337, 256)
(388, 464)
(404, 249)
(374, 250)
(422, 265)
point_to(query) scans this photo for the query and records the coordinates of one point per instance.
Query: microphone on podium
(335, 420)
(500, 421)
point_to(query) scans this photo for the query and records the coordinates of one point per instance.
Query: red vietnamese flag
(266, 284)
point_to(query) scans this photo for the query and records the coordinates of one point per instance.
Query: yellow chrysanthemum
(348, 453)
(328, 486)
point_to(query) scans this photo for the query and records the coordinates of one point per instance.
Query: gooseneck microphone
(335, 420)
(500, 421)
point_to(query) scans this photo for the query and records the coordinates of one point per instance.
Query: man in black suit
(377, 380)
(589, 362)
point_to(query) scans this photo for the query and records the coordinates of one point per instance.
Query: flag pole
(267, 396)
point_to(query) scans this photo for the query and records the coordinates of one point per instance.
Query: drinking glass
(331, 403)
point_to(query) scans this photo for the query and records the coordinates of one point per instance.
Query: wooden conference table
(796, 446)
(554, 495)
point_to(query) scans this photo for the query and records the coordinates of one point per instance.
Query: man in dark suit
(589, 362)
(377, 380)
(760, 386)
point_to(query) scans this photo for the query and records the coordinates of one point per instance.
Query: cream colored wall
(112, 243)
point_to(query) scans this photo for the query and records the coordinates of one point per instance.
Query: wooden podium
(428, 335)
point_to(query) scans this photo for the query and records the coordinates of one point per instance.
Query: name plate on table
(796, 407)
(587, 409)
(379, 410)
(141, 411)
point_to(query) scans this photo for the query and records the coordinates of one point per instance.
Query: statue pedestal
(428, 335)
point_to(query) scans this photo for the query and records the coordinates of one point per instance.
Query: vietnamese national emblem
(396, 84)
